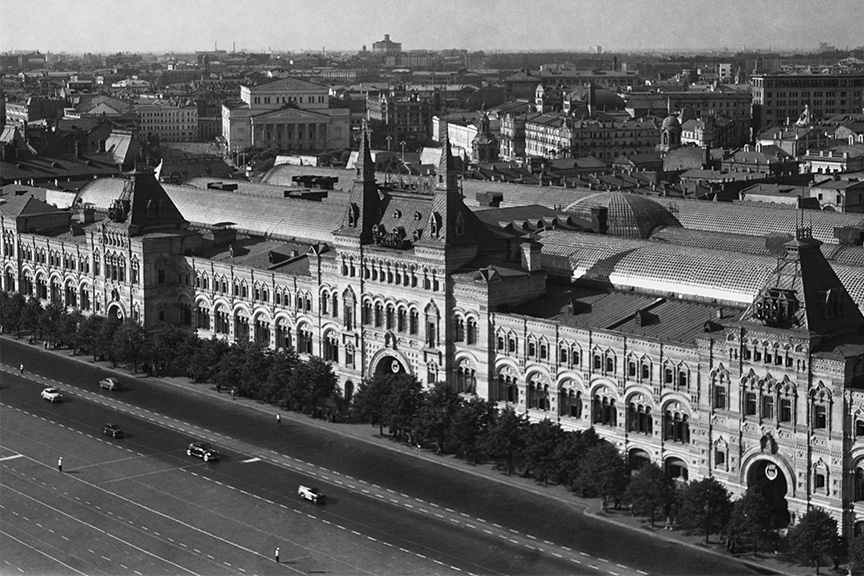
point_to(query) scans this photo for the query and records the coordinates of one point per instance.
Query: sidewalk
(766, 563)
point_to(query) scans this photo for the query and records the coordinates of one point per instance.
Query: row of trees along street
(439, 419)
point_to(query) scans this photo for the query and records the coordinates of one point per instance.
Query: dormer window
(777, 307)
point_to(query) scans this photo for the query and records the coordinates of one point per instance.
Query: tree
(650, 488)
(11, 309)
(435, 415)
(88, 333)
(856, 550)
(254, 366)
(314, 383)
(282, 365)
(602, 471)
(705, 504)
(471, 424)
(506, 438)
(69, 329)
(751, 519)
(814, 536)
(104, 341)
(205, 360)
(30, 315)
(130, 343)
(402, 404)
(371, 397)
(169, 349)
(50, 321)
(229, 368)
(540, 442)
(569, 452)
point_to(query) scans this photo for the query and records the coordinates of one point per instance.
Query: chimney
(530, 256)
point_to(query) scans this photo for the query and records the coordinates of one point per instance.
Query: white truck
(311, 494)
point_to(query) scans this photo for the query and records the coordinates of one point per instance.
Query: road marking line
(11, 457)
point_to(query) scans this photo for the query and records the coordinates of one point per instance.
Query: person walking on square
(60, 464)
(21, 368)
(278, 419)
(277, 555)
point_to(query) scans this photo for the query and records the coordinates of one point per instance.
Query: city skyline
(553, 25)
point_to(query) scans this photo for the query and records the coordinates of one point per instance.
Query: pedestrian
(277, 554)
(278, 419)
(21, 368)
(605, 503)
(668, 525)
(45, 344)
(232, 394)
(60, 464)
(218, 388)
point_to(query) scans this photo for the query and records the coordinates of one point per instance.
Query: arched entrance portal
(676, 469)
(768, 479)
(389, 365)
(638, 458)
(115, 312)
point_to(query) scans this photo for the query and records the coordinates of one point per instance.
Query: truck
(311, 494)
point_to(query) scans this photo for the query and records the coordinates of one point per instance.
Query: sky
(493, 25)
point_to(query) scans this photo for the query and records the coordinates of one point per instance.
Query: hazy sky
(616, 25)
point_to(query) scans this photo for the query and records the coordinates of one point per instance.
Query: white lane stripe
(41, 552)
(11, 457)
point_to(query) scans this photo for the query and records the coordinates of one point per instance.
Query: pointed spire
(364, 166)
(446, 164)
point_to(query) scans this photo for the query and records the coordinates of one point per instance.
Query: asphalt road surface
(140, 504)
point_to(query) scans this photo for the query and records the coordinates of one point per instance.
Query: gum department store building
(694, 349)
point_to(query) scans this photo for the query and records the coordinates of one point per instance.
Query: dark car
(112, 430)
(202, 450)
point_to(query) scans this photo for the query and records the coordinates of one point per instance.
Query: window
(820, 417)
(750, 404)
(768, 407)
(720, 397)
(819, 480)
(785, 410)
(719, 457)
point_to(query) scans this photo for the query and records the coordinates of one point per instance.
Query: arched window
(639, 418)
(538, 394)
(570, 401)
(471, 331)
(304, 340)
(676, 426)
(604, 410)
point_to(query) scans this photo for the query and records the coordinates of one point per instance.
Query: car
(311, 494)
(52, 395)
(202, 450)
(109, 384)
(112, 430)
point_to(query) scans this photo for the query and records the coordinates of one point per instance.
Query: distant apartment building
(287, 114)
(397, 116)
(20, 111)
(523, 84)
(562, 136)
(778, 98)
(722, 102)
(836, 160)
(841, 193)
(171, 121)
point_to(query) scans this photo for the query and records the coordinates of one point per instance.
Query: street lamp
(389, 139)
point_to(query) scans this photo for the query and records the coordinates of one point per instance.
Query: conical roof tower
(805, 293)
(364, 201)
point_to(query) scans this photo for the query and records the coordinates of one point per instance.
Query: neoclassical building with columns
(706, 360)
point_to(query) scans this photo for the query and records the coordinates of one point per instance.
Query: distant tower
(485, 145)
(670, 134)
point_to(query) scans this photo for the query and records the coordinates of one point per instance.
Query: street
(386, 513)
